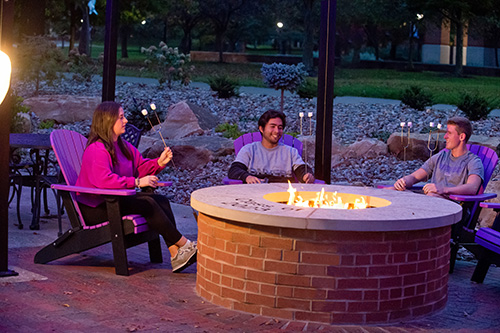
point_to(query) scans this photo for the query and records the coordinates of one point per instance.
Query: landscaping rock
(180, 122)
(366, 148)
(416, 150)
(487, 216)
(63, 109)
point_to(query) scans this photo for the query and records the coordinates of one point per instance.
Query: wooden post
(110, 48)
(326, 69)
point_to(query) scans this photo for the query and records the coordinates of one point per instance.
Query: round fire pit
(375, 265)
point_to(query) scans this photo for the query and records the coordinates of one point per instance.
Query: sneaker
(185, 256)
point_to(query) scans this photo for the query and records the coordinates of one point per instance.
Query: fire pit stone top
(405, 211)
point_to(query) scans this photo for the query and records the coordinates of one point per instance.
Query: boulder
(309, 148)
(189, 153)
(417, 148)
(184, 119)
(366, 148)
(63, 109)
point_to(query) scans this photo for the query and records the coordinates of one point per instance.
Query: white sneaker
(185, 256)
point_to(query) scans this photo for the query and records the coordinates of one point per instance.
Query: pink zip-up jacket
(98, 170)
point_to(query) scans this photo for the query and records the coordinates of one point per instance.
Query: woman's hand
(151, 181)
(165, 157)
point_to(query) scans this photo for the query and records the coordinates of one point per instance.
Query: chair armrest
(164, 183)
(479, 197)
(493, 205)
(229, 181)
(415, 187)
(90, 190)
(319, 181)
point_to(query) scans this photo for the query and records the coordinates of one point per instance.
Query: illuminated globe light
(5, 72)
(279, 25)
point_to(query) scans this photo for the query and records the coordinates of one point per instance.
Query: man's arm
(238, 171)
(304, 174)
(408, 181)
(469, 188)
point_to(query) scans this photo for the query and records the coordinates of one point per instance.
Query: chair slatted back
(132, 134)
(489, 158)
(68, 147)
(257, 137)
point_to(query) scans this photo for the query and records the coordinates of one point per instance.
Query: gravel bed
(351, 122)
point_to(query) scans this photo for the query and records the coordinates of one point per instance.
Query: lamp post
(280, 26)
(5, 72)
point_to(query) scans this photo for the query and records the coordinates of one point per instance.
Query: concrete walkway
(81, 293)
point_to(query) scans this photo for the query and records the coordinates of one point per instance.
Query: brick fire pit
(375, 265)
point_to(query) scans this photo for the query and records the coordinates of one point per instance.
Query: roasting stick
(145, 113)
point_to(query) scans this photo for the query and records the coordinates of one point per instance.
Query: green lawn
(381, 83)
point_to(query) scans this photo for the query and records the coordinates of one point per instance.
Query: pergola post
(110, 48)
(326, 69)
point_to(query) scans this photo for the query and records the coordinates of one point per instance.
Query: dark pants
(155, 208)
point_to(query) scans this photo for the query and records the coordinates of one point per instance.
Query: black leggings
(155, 208)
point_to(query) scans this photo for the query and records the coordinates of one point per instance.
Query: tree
(459, 13)
(220, 14)
(310, 19)
(185, 14)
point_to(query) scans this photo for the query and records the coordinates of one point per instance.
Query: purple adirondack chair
(488, 240)
(122, 231)
(464, 234)
(256, 137)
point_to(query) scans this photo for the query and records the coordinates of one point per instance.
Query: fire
(323, 200)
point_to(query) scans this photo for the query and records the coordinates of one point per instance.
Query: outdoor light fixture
(5, 71)
(143, 22)
(420, 16)
(279, 25)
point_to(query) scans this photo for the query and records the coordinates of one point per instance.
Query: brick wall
(323, 276)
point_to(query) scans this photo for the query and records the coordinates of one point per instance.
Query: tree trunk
(72, 25)
(459, 56)
(124, 32)
(186, 41)
(84, 44)
(410, 49)
(307, 49)
(282, 99)
(219, 42)
(165, 31)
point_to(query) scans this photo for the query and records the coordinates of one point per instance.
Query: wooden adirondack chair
(488, 240)
(123, 231)
(463, 234)
(255, 137)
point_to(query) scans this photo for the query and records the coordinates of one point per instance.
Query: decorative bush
(229, 130)
(39, 60)
(224, 86)
(283, 77)
(16, 125)
(474, 106)
(135, 117)
(82, 66)
(169, 63)
(415, 97)
(308, 89)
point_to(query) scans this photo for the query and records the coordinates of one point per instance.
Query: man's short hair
(463, 125)
(270, 114)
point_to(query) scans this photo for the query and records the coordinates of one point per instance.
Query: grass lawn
(380, 83)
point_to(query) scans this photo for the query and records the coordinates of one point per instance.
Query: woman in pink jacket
(109, 162)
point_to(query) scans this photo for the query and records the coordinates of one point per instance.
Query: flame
(323, 200)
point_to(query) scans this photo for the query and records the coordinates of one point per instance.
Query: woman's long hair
(103, 121)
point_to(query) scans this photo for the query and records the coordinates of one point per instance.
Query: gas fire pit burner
(376, 265)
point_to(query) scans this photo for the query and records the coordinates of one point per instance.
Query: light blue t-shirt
(276, 163)
(450, 171)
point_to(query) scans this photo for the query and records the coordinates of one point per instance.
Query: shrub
(136, 118)
(82, 66)
(229, 130)
(16, 124)
(39, 60)
(308, 89)
(283, 77)
(47, 124)
(415, 97)
(474, 106)
(224, 86)
(169, 63)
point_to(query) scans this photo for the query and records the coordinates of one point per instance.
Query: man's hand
(431, 189)
(253, 180)
(308, 178)
(400, 184)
